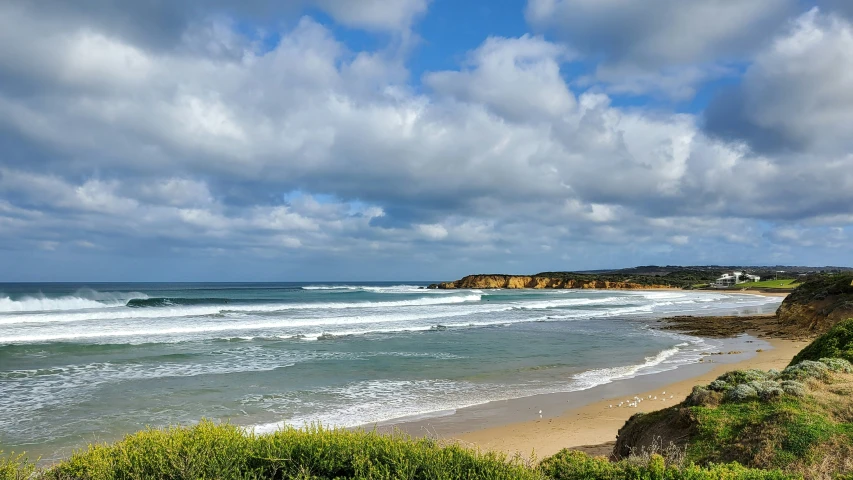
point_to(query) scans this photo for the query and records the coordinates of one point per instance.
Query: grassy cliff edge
(799, 420)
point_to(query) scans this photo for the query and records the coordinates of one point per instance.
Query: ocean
(88, 363)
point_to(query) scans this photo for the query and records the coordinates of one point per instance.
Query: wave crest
(171, 302)
(85, 299)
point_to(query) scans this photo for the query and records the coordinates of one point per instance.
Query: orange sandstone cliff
(521, 281)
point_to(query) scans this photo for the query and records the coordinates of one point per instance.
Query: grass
(219, 451)
(799, 420)
(786, 284)
(836, 343)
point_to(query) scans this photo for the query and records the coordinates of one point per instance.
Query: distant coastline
(544, 281)
(698, 277)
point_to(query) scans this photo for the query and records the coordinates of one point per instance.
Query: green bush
(208, 450)
(741, 392)
(213, 451)
(836, 343)
(15, 467)
(838, 365)
(573, 465)
(729, 380)
(806, 370)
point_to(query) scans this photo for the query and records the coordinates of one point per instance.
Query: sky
(307, 140)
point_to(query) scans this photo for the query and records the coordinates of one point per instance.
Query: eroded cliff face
(818, 304)
(520, 281)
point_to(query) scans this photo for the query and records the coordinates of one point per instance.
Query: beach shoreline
(541, 425)
(593, 427)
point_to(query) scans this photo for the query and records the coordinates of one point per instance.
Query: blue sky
(420, 139)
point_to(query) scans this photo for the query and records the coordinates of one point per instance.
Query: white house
(735, 278)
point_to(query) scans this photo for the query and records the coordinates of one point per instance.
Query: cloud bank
(282, 151)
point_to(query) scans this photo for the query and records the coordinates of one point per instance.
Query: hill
(798, 419)
(819, 303)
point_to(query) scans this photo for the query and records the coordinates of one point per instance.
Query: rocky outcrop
(540, 282)
(818, 304)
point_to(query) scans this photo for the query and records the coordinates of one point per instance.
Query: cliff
(819, 303)
(537, 281)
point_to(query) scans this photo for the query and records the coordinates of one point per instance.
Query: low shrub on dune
(210, 450)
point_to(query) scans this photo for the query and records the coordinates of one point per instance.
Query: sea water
(87, 363)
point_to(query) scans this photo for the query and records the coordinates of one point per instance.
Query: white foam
(601, 376)
(376, 401)
(374, 289)
(206, 310)
(42, 304)
(82, 300)
(288, 326)
(573, 302)
(331, 287)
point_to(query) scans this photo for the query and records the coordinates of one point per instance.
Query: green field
(787, 283)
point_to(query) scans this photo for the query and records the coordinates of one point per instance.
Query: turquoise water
(81, 363)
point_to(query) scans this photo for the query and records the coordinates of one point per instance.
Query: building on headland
(734, 278)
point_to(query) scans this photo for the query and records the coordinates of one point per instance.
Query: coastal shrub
(719, 385)
(729, 380)
(837, 365)
(574, 465)
(793, 387)
(747, 384)
(703, 396)
(767, 389)
(15, 467)
(217, 451)
(209, 450)
(835, 343)
(741, 392)
(806, 370)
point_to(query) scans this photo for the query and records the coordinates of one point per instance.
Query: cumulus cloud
(388, 15)
(304, 148)
(647, 45)
(166, 25)
(798, 94)
(519, 78)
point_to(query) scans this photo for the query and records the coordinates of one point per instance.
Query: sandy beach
(595, 424)
(593, 427)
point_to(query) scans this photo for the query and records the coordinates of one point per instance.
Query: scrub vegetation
(210, 450)
(799, 420)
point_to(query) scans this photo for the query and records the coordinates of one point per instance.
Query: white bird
(610, 406)
(540, 412)
(664, 392)
(656, 397)
(670, 396)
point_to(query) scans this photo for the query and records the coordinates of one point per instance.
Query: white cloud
(375, 14)
(433, 231)
(798, 93)
(664, 47)
(306, 146)
(518, 78)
